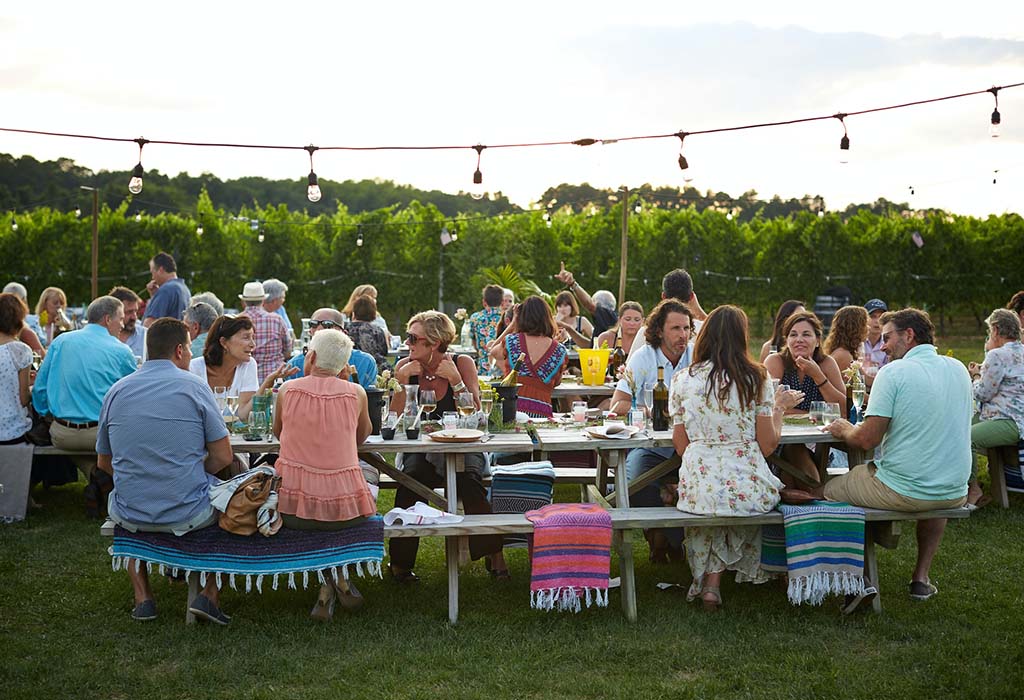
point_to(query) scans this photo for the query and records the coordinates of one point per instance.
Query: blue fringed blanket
(289, 552)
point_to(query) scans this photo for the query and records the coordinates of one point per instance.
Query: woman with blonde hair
(847, 335)
(52, 318)
(428, 335)
(364, 290)
(631, 320)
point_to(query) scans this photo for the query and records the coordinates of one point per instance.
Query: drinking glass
(858, 402)
(817, 409)
(221, 394)
(466, 408)
(830, 413)
(428, 402)
(776, 383)
(450, 420)
(258, 424)
(486, 402)
(579, 411)
(648, 401)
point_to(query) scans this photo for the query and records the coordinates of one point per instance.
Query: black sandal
(501, 575)
(403, 576)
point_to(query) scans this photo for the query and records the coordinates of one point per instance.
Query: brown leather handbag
(256, 494)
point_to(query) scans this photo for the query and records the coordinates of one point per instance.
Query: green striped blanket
(821, 549)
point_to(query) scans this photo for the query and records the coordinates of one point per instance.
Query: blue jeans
(639, 461)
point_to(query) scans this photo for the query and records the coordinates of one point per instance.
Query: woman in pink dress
(321, 419)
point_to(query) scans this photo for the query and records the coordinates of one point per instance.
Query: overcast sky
(466, 72)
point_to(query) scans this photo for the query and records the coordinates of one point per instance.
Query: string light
(138, 217)
(260, 238)
(455, 236)
(199, 226)
(359, 238)
(14, 224)
(844, 143)
(911, 188)
(995, 174)
(135, 184)
(313, 193)
(994, 125)
(477, 190)
(78, 212)
(638, 207)
(683, 164)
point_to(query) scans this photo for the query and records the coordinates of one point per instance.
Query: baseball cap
(875, 305)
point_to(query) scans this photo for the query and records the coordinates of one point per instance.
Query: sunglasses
(324, 324)
(412, 339)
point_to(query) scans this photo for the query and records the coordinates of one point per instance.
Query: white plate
(457, 435)
(598, 431)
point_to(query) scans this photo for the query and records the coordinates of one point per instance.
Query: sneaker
(922, 590)
(853, 601)
(203, 608)
(145, 611)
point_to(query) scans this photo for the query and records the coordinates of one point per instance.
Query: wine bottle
(512, 378)
(659, 412)
(617, 358)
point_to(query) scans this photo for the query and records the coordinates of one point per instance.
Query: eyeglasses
(324, 324)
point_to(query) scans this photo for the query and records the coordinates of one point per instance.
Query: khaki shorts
(860, 487)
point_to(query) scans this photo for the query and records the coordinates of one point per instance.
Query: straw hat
(253, 291)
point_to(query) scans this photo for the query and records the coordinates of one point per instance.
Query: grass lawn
(65, 630)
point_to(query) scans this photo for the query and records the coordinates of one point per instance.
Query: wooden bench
(998, 458)
(882, 528)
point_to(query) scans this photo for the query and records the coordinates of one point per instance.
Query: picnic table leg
(998, 476)
(193, 591)
(625, 541)
(451, 544)
(871, 571)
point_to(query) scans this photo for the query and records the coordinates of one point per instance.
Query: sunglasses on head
(324, 324)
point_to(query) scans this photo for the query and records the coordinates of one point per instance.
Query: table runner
(571, 556)
(289, 552)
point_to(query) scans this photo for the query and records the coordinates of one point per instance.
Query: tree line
(964, 266)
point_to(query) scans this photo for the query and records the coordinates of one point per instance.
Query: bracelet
(459, 387)
(823, 383)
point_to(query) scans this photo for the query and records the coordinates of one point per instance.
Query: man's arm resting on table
(621, 403)
(864, 436)
(218, 455)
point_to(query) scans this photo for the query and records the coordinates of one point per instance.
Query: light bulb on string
(684, 165)
(14, 224)
(911, 188)
(638, 207)
(199, 228)
(135, 184)
(995, 175)
(78, 212)
(844, 143)
(477, 190)
(996, 121)
(260, 238)
(313, 193)
(359, 239)
(455, 236)
(138, 217)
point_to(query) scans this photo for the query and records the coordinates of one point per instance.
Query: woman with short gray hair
(998, 385)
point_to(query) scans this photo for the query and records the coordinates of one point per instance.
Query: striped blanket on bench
(212, 551)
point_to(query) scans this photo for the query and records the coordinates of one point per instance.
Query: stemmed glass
(648, 399)
(428, 402)
(486, 401)
(466, 408)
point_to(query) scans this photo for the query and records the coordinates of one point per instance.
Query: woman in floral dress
(726, 421)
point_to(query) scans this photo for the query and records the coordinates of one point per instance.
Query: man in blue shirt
(133, 334)
(161, 484)
(920, 412)
(363, 362)
(78, 369)
(170, 296)
(667, 334)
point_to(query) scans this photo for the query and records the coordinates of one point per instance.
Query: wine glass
(858, 401)
(817, 409)
(230, 411)
(428, 402)
(648, 399)
(830, 413)
(486, 402)
(466, 407)
(220, 393)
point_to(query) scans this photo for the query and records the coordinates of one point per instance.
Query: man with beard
(133, 334)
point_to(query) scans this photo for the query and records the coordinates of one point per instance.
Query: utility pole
(625, 233)
(95, 285)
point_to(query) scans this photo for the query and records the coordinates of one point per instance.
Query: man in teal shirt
(78, 370)
(920, 412)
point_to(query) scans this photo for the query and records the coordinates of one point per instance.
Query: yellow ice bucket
(594, 364)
